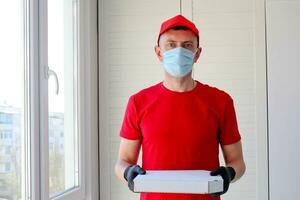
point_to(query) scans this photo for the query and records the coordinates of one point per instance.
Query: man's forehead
(178, 36)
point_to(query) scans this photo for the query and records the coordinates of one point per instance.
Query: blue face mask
(178, 62)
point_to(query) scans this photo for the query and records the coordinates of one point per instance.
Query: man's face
(177, 38)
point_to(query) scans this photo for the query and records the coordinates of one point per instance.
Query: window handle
(50, 72)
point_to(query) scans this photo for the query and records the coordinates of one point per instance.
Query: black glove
(131, 172)
(227, 174)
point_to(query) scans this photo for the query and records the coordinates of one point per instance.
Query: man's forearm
(239, 168)
(120, 167)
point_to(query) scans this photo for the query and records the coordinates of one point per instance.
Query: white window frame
(37, 152)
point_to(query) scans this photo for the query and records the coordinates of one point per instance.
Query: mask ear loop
(193, 74)
(193, 77)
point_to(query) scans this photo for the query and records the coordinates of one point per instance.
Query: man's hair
(184, 28)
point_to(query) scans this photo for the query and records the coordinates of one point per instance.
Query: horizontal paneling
(129, 34)
(228, 62)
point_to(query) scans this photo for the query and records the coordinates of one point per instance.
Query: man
(180, 122)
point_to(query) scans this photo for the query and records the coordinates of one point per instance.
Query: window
(7, 150)
(62, 95)
(12, 66)
(43, 154)
(7, 167)
(5, 118)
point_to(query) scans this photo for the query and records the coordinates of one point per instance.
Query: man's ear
(197, 54)
(158, 53)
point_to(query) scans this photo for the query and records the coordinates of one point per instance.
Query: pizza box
(178, 181)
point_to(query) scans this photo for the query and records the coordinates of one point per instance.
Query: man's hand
(131, 172)
(228, 174)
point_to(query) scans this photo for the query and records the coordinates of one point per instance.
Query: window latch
(50, 72)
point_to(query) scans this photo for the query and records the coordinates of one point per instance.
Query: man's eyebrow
(189, 41)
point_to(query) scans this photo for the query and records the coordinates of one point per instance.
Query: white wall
(283, 41)
(128, 31)
(232, 34)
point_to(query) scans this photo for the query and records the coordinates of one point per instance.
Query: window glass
(62, 59)
(12, 67)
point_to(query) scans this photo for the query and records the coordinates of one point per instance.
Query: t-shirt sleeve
(130, 127)
(229, 133)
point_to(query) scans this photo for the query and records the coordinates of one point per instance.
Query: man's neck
(183, 84)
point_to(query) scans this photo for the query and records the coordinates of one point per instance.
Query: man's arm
(233, 156)
(128, 155)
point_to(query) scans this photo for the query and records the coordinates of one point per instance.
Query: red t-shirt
(180, 130)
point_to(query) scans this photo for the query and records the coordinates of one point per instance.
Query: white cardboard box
(178, 181)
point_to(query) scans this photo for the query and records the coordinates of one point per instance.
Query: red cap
(178, 20)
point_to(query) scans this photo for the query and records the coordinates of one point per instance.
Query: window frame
(37, 149)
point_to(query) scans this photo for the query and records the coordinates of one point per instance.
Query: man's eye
(171, 45)
(188, 45)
